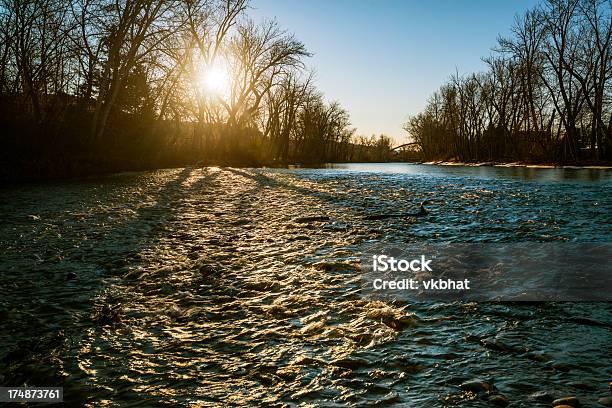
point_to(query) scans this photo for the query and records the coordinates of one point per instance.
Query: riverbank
(579, 165)
(84, 168)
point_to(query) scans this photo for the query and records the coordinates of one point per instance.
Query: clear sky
(381, 59)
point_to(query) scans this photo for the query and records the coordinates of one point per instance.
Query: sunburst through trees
(178, 79)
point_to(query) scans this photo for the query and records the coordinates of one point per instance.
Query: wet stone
(567, 401)
(538, 356)
(496, 345)
(499, 400)
(476, 386)
(402, 322)
(605, 401)
(543, 396)
(390, 398)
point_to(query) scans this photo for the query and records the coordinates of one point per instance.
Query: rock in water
(499, 400)
(390, 398)
(71, 276)
(567, 401)
(476, 386)
(543, 396)
(605, 401)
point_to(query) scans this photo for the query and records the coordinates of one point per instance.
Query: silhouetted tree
(546, 95)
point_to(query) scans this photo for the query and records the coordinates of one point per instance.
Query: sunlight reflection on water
(214, 285)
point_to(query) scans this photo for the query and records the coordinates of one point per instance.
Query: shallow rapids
(222, 286)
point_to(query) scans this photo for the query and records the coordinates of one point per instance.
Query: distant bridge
(404, 145)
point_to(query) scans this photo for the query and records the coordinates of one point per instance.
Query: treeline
(91, 85)
(546, 96)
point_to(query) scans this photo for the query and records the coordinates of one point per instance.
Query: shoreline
(519, 164)
(19, 178)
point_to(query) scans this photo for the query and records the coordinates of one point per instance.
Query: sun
(215, 80)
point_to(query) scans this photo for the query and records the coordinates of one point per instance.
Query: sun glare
(215, 81)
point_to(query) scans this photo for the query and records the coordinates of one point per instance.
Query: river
(226, 286)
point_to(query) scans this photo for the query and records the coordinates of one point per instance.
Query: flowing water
(221, 286)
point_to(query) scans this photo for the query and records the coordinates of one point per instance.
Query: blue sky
(382, 59)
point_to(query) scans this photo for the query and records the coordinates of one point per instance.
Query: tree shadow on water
(264, 181)
(43, 322)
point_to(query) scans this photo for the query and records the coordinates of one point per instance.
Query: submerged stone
(538, 356)
(562, 367)
(582, 386)
(499, 400)
(544, 396)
